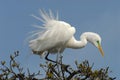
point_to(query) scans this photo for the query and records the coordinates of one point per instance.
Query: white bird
(58, 35)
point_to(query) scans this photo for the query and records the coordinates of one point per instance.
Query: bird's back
(54, 38)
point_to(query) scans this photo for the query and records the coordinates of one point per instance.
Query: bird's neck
(84, 38)
(73, 43)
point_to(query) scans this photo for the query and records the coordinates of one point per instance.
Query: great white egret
(58, 35)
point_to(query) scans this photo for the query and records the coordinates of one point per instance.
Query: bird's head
(95, 39)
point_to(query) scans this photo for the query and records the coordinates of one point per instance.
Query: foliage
(54, 71)
(14, 71)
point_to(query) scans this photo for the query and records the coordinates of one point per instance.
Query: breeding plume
(58, 35)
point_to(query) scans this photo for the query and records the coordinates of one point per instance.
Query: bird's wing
(56, 35)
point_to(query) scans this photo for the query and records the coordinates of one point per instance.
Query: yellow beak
(100, 49)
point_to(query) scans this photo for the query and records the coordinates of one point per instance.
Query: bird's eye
(98, 42)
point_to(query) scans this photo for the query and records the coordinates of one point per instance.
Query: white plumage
(59, 35)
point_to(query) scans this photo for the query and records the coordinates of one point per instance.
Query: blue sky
(101, 16)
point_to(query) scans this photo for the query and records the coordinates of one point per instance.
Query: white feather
(55, 37)
(58, 35)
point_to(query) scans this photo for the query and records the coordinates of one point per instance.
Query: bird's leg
(46, 57)
(63, 66)
(58, 61)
